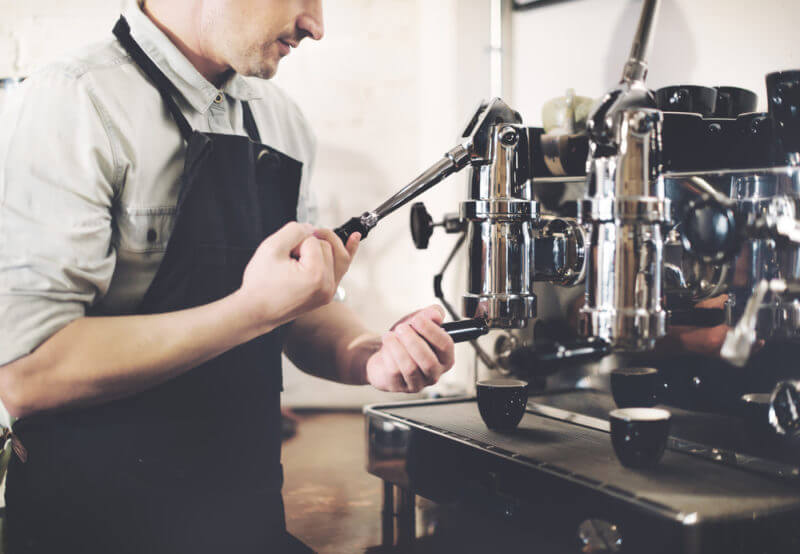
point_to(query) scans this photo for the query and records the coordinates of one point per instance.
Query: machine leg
(398, 517)
(406, 518)
(387, 515)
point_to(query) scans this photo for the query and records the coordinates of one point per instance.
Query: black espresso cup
(635, 387)
(502, 402)
(639, 435)
(687, 99)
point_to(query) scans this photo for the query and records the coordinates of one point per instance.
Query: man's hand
(413, 355)
(342, 254)
(706, 341)
(292, 272)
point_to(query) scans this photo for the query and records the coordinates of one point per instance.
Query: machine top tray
(684, 487)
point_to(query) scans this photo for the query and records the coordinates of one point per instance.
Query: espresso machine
(688, 196)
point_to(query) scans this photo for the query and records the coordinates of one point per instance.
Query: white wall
(583, 44)
(35, 31)
(387, 91)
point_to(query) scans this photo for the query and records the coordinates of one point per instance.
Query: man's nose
(310, 22)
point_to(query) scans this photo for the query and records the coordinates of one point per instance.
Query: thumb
(352, 244)
(434, 312)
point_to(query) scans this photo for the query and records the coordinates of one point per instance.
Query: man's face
(252, 36)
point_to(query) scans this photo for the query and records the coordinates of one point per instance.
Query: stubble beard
(258, 62)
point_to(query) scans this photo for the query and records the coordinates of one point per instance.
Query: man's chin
(263, 71)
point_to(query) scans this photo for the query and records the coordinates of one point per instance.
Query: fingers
(309, 253)
(437, 338)
(343, 255)
(289, 237)
(380, 375)
(404, 364)
(330, 237)
(421, 352)
(327, 255)
(317, 259)
(433, 312)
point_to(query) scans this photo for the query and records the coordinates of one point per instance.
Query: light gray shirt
(90, 161)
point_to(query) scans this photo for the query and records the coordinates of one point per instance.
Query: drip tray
(721, 438)
(679, 485)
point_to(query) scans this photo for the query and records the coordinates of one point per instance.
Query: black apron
(192, 465)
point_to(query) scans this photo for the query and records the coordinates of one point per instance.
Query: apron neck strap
(250, 123)
(165, 87)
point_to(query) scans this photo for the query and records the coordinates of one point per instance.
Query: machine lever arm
(636, 67)
(453, 161)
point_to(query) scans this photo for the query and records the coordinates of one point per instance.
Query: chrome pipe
(626, 211)
(636, 67)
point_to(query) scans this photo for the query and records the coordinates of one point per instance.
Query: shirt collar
(197, 90)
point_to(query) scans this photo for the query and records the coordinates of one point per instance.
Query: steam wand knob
(422, 225)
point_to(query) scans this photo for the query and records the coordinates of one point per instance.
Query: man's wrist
(254, 323)
(360, 350)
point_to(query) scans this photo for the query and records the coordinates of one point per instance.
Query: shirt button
(151, 235)
(218, 99)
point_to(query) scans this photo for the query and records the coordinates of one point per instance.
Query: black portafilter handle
(466, 329)
(546, 357)
(697, 317)
(354, 225)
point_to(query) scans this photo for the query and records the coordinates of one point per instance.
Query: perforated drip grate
(680, 483)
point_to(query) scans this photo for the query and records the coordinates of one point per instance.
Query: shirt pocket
(145, 230)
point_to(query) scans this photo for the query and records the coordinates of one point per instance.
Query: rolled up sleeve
(57, 186)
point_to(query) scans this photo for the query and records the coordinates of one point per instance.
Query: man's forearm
(332, 343)
(97, 359)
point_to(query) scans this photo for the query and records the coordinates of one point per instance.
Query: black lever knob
(354, 225)
(421, 226)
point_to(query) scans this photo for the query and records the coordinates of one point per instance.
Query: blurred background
(393, 83)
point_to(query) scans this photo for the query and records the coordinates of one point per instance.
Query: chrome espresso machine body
(685, 201)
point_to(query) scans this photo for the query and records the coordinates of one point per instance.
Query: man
(151, 275)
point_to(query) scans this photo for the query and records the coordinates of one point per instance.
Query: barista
(151, 275)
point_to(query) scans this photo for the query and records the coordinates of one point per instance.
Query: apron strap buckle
(16, 444)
